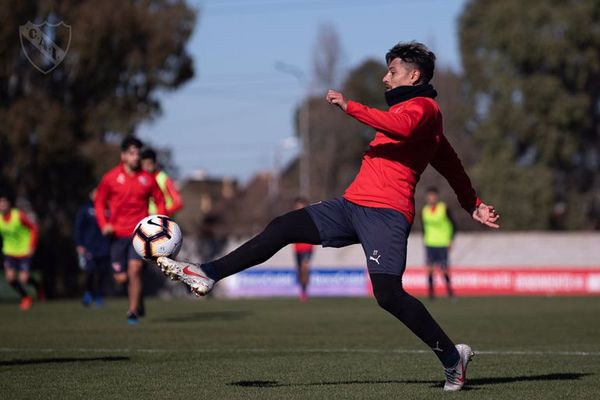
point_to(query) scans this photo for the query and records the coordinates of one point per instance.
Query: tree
(60, 129)
(457, 109)
(338, 142)
(534, 71)
(327, 59)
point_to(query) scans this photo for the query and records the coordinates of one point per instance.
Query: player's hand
(80, 250)
(337, 99)
(108, 230)
(486, 215)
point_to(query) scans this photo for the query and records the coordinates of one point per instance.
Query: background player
(19, 240)
(377, 209)
(93, 249)
(303, 253)
(126, 191)
(173, 200)
(438, 232)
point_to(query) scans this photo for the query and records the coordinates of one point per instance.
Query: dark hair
(414, 53)
(432, 189)
(8, 196)
(130, 141)
(149, 154)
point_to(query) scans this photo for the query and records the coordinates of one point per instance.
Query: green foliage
(336, 141)
(56, 126)
(534, 69)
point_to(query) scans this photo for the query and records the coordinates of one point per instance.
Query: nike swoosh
(187, 271)
(151, 222)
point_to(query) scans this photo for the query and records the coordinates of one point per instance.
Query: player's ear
(415, 76)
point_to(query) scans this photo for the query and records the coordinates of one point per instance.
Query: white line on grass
(299, 351)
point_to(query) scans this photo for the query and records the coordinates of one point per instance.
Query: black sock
(391, 296)
(33, 282)
(294, 227)
(19, 288)
(448, 284)
(430, 282)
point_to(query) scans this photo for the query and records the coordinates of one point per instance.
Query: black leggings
(394, 299)
(298, 227)
(294, 227)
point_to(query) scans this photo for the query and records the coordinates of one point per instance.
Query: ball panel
(157, 235)
(139, 245)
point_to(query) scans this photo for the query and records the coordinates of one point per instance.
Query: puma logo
(375, 259)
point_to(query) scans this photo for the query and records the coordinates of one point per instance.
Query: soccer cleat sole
(198, 290)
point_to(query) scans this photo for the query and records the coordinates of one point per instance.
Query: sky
(235, 115)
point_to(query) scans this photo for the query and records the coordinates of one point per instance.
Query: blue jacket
(87, 232)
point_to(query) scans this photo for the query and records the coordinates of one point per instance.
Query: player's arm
(34, 231)
(159, 198)
(177, 203)
(100, 207)
(447, 163)
(397, 125)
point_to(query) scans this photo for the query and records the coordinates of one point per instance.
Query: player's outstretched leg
(294, 227)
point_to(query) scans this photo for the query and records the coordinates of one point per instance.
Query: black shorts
(17, 263)
(382, 232)
(121, 251)
(96, 264)
(437, 255)
(302, 257)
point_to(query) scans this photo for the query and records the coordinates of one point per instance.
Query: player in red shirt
(377, 210)
(303, 253)
(126, 191)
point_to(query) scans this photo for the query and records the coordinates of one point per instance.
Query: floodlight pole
(304, 127)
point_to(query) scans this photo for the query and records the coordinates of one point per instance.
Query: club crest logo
(39, 43)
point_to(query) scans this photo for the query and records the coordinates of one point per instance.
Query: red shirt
(126, 197)
(409, 136)
(176, 201)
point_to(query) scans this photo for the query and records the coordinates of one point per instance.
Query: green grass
(281, 349)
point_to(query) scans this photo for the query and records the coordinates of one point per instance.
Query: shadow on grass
(60, 360)
(471, 384)
(208, 316)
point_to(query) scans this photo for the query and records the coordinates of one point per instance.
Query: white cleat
(189, 273)
(457, 376)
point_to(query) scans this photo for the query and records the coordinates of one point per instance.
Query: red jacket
(126, 197)
(409, 136)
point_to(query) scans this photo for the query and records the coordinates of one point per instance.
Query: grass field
(528, 348)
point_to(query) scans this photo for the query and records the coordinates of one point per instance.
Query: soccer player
(438, 233)
(126, 191)
(172, 197)
(377, 209)
(93, 250)
(303, 253)
(19, 240)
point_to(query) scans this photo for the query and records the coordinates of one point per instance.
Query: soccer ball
(156, 236)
